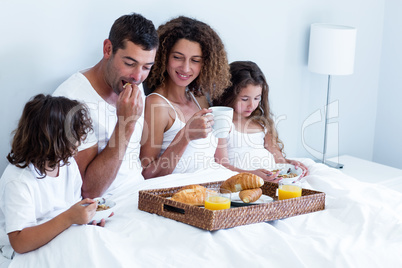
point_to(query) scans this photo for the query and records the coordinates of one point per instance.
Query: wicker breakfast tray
(155, 201)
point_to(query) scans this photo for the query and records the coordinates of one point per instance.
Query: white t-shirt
(104, 119)
(27, 201)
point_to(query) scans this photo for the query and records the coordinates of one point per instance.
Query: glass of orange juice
(216, 199)
(289, 188)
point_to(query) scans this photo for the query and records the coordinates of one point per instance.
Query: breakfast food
(194, 187)
(242, 181)
(284, 176)
(191, 194)
(126, 85)
(102, 207)
(290, 175)
(251, 195)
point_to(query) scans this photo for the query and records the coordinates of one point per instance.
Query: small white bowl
(103, 214)
(288, 168)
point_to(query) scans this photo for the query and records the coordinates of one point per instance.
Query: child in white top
(253, 144)
(40, 190)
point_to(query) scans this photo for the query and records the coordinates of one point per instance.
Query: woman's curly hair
(49, 131)
(214, 76)
(244, 73)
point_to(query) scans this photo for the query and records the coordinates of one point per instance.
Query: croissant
(191, 194)
(251, 195)
(242, 181)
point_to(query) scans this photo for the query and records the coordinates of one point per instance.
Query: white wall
(44, 41)
(388, 134)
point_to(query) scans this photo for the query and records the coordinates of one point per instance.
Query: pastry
(242, 181)
(251, 195)
(191, 194)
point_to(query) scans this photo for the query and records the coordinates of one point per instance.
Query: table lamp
(331, 52)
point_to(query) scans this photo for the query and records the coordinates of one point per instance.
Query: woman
(190, 65)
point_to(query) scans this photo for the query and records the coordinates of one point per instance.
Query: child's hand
(267, 175)
(83, 211)
(102, 222)
(297, 165)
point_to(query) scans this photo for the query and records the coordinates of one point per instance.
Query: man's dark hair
(134, 28)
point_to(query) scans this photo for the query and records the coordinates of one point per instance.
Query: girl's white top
(247, 151)
(27, 201)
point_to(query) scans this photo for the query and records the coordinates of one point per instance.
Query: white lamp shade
(332, 49)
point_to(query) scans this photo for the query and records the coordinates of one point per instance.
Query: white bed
(361, 226)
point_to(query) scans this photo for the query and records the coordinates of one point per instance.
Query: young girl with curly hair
(190, 66)
(253, 144)
(40, 190)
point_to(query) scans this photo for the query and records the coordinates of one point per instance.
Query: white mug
(223, 117)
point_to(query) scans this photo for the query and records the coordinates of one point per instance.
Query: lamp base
(330, 164)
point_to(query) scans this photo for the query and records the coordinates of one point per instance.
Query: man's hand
(129, 106)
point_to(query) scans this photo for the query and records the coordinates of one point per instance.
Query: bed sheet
(361, 226)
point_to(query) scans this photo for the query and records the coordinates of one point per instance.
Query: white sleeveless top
(247, 151)
(199, 153)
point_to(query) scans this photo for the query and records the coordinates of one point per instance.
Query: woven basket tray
(155, 201)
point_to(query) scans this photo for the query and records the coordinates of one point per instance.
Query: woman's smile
(183, 76)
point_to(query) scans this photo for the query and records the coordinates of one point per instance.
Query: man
(113, 91)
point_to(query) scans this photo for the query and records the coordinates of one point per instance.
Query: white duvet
(361, 226)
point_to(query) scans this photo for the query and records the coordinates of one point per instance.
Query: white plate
(236, 201)
(288, 168)
(103, 214)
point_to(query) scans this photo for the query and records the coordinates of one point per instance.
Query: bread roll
(193, 186)
(191, 194)
(251, 195)
(242, 181)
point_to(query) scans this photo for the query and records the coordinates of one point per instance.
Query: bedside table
(372, 172)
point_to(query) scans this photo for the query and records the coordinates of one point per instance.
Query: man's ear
(107, 48)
